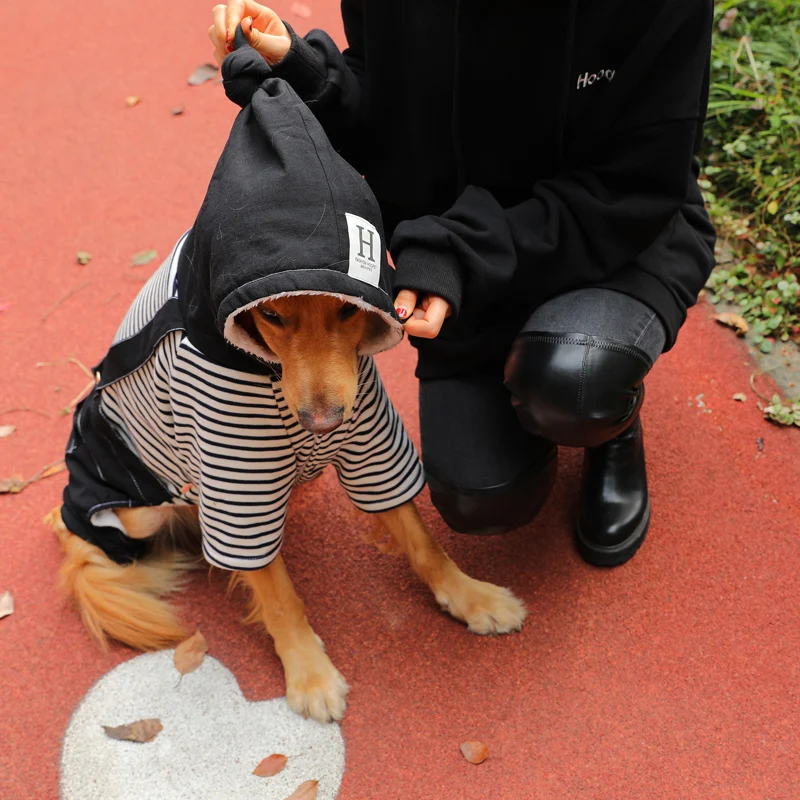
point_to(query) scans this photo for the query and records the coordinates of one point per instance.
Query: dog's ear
(248, 325)
(374, 333)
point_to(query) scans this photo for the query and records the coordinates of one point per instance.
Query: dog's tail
(121, 602)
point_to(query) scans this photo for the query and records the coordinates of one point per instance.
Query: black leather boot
(614, 510)
(587, 391)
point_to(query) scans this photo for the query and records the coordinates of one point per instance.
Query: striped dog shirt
(188, 407)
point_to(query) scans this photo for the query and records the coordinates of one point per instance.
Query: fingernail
(228, 48)
(401, 312)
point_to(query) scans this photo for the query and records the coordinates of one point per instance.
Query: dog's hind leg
(121, 601)
(485, 608)
(314, 687)
(177, 528)
(145, 521)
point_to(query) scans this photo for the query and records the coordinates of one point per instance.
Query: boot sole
(613, 556)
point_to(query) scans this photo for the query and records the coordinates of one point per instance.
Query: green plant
(751, 180)
(771, 304)
(788, 414)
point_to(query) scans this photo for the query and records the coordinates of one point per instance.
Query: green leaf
(143, 258)
(775, 321)
(772, 208)
(765, 346)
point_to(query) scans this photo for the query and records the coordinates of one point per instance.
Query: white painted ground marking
(211, 742)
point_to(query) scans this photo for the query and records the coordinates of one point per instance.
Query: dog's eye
(347, 311)
(271, 317)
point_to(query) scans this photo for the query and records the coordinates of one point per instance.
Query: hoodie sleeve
(327, 80)
(599, 213)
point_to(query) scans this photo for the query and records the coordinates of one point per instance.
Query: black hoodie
(522, 149)
(188, 407)
(283, 213)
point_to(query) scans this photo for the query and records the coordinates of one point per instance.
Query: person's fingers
(426, 303)
(273, 48)
(235, 11)
(269, 38)
(420, 328)
(265, 19)
(219, 55)
(405, 303)
(217, 30)
(436, 312)
(428, 324)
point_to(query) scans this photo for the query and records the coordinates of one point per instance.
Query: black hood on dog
(283, 214)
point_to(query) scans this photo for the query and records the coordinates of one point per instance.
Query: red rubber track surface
(675, 676)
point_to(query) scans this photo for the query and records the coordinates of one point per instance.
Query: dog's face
(316, 338)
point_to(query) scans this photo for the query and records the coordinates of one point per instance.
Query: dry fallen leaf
(740, 396)
(83, 257)
(203, 73)
(6, 605)
(145, 257)
(12, 485)
(132, 101)
(189, 655)
(739, 324)
(52, 469)
(142, 730)
(16, 483)
(474, 752)
(301, 10)
(270, 766)
(305, 791)
(6, 431)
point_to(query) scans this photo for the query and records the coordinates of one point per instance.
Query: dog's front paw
(314, 687)
(485, 608)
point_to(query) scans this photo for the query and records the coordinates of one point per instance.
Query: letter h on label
(362, 241)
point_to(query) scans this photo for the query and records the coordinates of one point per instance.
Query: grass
(751, 177)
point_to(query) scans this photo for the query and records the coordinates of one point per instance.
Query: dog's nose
(323, 421)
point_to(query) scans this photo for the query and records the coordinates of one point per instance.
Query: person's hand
(263, 28)
(425, 315)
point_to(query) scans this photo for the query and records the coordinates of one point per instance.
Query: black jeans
(574, 377)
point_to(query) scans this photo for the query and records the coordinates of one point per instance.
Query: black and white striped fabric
(226, 440)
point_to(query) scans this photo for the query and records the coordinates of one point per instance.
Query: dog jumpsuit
(188, 407)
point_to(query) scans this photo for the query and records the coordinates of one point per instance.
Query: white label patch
(365, 250)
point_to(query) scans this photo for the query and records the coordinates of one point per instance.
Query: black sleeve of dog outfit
(600, 213)
(329, 81)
